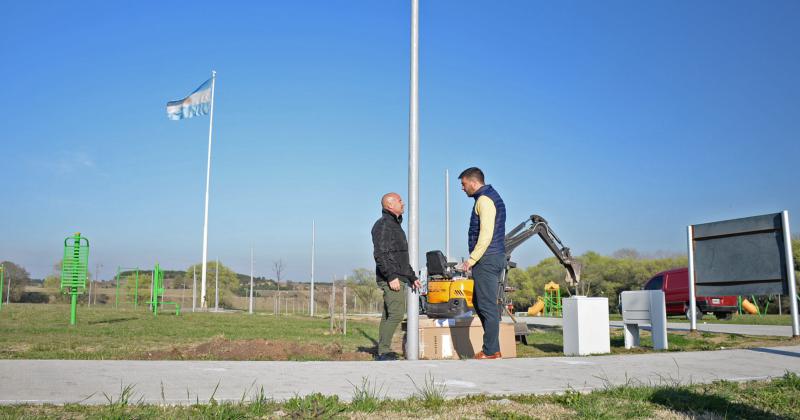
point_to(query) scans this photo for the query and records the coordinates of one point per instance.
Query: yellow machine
(450, 295)
(450, 298)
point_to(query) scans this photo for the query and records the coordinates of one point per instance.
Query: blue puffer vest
(498, 244)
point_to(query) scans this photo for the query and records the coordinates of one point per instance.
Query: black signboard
(740, 257)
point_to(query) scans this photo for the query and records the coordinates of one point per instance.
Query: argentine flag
(197, 103)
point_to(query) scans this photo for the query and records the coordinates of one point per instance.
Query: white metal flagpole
(447, 214)
(203, 302)
(313, 239)
(412, 329)
(692, 292)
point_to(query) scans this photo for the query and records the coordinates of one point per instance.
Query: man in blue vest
(487, 258)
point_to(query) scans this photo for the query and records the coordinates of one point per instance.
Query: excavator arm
(537, 225)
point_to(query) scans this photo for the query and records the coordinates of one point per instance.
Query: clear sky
(621, 122)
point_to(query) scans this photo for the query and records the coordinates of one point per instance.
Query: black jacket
(391, 249)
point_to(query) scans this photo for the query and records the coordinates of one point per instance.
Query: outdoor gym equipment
(120, 270)
(74, 267)
(157, 293)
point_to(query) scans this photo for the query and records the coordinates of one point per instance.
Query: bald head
(393, 203)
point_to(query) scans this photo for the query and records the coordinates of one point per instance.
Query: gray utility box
(643, 307)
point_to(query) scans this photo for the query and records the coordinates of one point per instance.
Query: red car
(675, 284)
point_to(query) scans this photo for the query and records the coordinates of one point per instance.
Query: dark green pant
(394, 309)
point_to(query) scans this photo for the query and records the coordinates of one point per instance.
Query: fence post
(344, 310)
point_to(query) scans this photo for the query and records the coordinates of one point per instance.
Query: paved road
(765, 330)
(181, 382)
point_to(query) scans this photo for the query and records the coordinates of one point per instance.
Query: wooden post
(331, 304)
(344, 310)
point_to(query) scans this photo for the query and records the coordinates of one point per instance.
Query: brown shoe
(482, 355)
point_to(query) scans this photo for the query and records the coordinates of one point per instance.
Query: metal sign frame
(764, 229)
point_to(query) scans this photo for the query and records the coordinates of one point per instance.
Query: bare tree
(278, 267)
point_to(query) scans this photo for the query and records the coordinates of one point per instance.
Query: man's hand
(395, 284)
(464, 266)
(417, 285)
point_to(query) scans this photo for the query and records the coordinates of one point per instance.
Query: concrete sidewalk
(183, 382)
(763, 330)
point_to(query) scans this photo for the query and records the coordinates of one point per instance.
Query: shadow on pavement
(776, 351)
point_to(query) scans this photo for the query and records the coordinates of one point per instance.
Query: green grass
(31, 331)
(775, 399)
(42, 331)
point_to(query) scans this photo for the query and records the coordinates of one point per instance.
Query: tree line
(607, 276)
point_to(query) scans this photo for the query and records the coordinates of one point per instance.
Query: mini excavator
(450, 291)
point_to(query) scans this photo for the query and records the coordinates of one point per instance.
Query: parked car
(675, 284)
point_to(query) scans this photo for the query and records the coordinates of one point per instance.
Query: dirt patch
(224, 349)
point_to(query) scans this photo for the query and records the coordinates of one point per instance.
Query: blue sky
(620, 122)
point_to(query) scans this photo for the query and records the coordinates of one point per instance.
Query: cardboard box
(459, 338)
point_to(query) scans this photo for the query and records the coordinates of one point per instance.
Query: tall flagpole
(203, 303)
(313, 249)
(447, 214)
(412, 337)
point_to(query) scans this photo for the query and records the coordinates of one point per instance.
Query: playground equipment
(74, 268)
(550, 305)
(537, 308)
(552, 299)
(157, 293)
(747, 306)
(752, 307)
(120, 270)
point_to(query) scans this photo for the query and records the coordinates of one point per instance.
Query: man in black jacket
(392, 270)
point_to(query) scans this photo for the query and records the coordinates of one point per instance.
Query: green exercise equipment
(74, 268)
(135, 271)
(157, 293)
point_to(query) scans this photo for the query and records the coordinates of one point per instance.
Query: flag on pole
(197, 103)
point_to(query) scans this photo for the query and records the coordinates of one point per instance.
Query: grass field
(42, 332)
(31, 331)
(775, 399)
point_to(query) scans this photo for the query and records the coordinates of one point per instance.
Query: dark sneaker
(386, 357)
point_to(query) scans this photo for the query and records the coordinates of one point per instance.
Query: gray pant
(394, 309)
(486, 274)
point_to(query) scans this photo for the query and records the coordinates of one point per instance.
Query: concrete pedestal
(586, 329)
